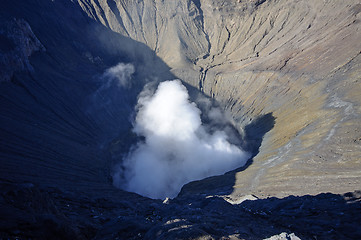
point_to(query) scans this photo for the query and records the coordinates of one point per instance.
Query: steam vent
(180, 119)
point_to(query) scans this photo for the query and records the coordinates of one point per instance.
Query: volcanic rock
(287, 72)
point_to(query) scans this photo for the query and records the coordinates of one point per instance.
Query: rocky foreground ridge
(32, 213)
(288, 72)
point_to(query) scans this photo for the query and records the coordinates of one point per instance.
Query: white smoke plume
(120, 73)
(177, 148)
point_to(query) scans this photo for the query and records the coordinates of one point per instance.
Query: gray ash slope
(55, 159)
(296, 60)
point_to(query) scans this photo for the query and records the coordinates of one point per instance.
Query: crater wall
(298, 60)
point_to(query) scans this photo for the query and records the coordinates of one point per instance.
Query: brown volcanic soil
(296, 60)
(288, 72)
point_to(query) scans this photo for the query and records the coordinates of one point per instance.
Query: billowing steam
(177, 148)
(120, 73)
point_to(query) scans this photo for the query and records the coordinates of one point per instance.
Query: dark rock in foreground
(30, 212)
(288, 73)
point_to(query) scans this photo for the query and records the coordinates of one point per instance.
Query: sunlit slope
(299, 60)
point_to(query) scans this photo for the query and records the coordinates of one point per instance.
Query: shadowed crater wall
(56, 116)
(285, 74)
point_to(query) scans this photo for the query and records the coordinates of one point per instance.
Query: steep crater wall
(299, 61)
(287, 71)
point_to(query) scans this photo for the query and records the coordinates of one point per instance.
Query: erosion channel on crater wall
(189, 119)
